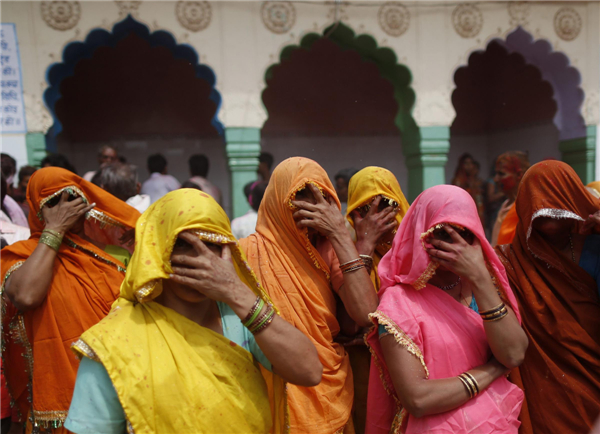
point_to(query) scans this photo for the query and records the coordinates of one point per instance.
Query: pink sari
(447, 337)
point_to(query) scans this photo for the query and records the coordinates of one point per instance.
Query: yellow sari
(363, 188)
(171, 374)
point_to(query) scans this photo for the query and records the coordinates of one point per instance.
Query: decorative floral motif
(194, 16)
(38, 117)
(61, 15)
(467, 20)
(519, 13)
(127, 7)
(567, 24)
(337, 11)
(278, 17)
(394, 18)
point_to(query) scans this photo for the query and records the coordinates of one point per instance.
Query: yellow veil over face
(364, 186)
(171, 374)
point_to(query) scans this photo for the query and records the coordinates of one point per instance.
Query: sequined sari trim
(552, 213)
(50, 419)
(307, 244)
(82, 349)
(402, 338)
(93, 254)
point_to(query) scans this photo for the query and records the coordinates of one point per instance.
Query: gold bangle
(467, 386)
(265, 324)
(471, 384)
(50, 240)
(492, 315)
(468, 374)
(492, 310)
(497, 318)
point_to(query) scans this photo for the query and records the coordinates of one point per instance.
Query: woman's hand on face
(593, 221)
(206, 272)
(64, 215)
(375, 223)
(323, 216)
(463, 259)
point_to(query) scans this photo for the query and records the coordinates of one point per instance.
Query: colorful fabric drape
(171, 374)
(559, 304)
(296, 277)
(39, 366)
(363, 188)
(508, 228)
(446, 337)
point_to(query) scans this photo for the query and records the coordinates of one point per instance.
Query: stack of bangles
(470, 384)
(52, 239)
(258, 319)
(353, 265)
(368, 262)
(494, 314)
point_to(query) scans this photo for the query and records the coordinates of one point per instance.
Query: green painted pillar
(426, 154)
(243, 149)
(36, 148)
(580, 154)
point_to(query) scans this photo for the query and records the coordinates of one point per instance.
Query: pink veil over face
(408, 262)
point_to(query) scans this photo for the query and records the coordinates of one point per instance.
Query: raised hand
(463, 259)
(370, 228)
(65, 214)
(323, 216)
(206, 272)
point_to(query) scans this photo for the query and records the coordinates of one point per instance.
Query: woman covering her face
(56, 285)
(448, 327)
(376, 207)
(300, 241)
(177, 352)
(553, 265)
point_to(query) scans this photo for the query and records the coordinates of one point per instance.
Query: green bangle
(259, 307)
(268, 315)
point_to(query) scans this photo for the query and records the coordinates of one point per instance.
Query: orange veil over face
(296, 278)
(559, 305)
(39, 366)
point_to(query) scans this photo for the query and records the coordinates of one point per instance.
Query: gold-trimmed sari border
(401, 337)
(82, 349)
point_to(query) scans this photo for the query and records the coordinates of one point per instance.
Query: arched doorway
(517, 94)
(502, 103)
(340, 100)
(140, 91)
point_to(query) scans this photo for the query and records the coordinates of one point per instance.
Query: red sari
(559, 304)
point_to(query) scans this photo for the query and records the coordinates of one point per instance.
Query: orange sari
(559, 306)
(39, 366)
(508, 227)
(297, 278)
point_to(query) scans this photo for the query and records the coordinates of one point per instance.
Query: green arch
(386, 61)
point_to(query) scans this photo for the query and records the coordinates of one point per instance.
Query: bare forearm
(27, 286)
(357, 293)
(291, 353)
(439, 396)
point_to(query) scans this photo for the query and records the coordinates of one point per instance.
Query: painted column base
(426, 158)
(580, 154)
(243, 150)
(36, 148)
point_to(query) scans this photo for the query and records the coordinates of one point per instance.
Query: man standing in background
(159, 182)
(199, 166)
